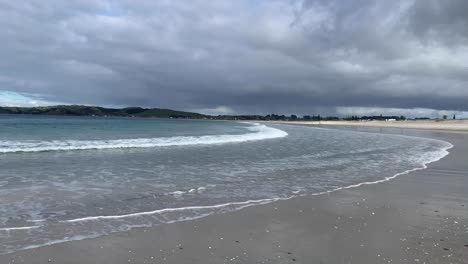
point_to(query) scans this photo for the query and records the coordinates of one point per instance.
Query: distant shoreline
(450, 125)
(439, 125)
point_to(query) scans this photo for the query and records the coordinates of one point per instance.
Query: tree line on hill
(380, 117)
(274, 117)
(81, 110)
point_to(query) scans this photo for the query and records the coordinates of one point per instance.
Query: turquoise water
(41, 128)
(35, 134)
(66, 178)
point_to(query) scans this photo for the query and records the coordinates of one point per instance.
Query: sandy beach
(447, 125)
(420, 217)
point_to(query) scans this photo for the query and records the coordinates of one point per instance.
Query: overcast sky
(238, 56)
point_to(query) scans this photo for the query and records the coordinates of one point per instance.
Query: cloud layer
(238, 56)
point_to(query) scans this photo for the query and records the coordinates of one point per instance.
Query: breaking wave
(256, 132)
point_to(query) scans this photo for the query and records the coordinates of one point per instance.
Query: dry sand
(421, 217)
(448, 125)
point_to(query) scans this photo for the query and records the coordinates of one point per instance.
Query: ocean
(71, 178)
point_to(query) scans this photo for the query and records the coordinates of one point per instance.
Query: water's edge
(222, 208)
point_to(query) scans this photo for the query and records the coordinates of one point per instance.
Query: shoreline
(255, 226)
(454, 126)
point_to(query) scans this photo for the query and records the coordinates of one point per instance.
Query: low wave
(171, 215)
(256, 132)
(425, 160)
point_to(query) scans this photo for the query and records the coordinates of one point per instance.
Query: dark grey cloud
(444, 19)
(241, 56)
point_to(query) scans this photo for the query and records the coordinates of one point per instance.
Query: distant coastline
(81, 110)
(445, 123)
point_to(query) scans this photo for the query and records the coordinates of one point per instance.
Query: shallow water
(64, 178)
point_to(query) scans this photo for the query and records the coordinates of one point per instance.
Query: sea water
(69, 178)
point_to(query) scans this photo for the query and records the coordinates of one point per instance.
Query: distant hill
(81, 110)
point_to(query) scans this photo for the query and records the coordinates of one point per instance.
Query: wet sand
(420, 217)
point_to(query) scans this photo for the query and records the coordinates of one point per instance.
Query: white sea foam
(238, 205)
(180, 193)
(18, 228)
(433, 157)
(425, 159)
(177, 193)
(256, 132)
